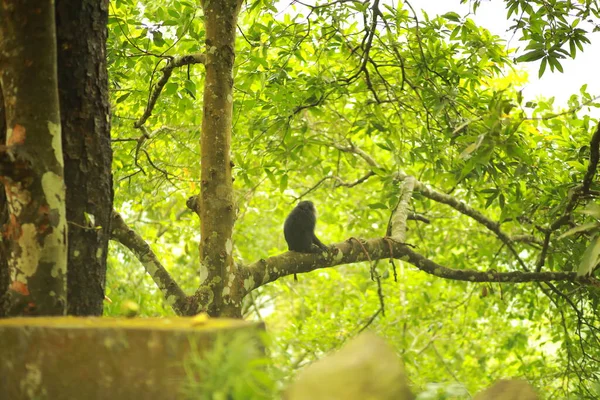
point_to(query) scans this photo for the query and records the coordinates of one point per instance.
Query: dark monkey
(299, 229)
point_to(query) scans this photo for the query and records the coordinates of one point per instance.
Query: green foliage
(551, 28)
(234, 369)
(438, 99)
(436, 391)
(128, 283)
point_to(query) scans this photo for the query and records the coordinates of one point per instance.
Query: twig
(174, 62)
(340, 182)
(370, 321)
(569, 111)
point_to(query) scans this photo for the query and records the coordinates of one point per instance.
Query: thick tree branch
(445, 199)
(219, 294)
(439, 197)
(470, 212)
(350, 251)
(37, 230)
(463, 209)
(400, 215)
(175, 62)
(134, 242)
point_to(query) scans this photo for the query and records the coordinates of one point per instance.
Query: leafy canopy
(331, 102)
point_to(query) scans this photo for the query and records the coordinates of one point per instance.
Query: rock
(512, 389)
(364, 368)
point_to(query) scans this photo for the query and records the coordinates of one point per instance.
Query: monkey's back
(298, 230)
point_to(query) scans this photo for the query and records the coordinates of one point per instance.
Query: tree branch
(359, 152)
(123, 234)
(463, 209)
(350, 251)
(440, 198)
(400, 215)
(470, 212)
(339, 182)
(175, 62)
(573, 197)
(594, 158)
(367, 43)
(445, 199)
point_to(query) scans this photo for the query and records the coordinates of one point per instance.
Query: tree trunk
(219, 292)
(34, 186)
(85, 119)
(4, 250)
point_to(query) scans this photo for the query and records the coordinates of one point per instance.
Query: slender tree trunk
(85, 119)
(4, 249)
(35, 186)
(217, 211)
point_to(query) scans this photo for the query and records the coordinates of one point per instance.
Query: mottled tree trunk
(85, 119)
(4, 250)
(219, 294)
(34, 185)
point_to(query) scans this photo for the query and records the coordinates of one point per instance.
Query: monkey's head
(307, 207)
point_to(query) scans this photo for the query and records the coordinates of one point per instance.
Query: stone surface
(513, 389)
(102, 358)
(366, 368)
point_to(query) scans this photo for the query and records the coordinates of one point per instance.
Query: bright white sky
(577, 72)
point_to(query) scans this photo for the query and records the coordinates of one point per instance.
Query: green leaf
(554, 63)
(491, 198)
(542, 67)
(589, 227)
(157, 38)
(123, 97)
(531, 56)
(283, 183)
(190, 86)
(466, 153)
(592, 209)
(270, 175)
(590, 258)
(171, 88)
(452, 16)
(90, 219)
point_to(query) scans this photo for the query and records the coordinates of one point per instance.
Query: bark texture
(219, 294)
(35, 189)
(85, 119)
(4, 250)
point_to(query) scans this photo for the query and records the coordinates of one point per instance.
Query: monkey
(299, 230)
